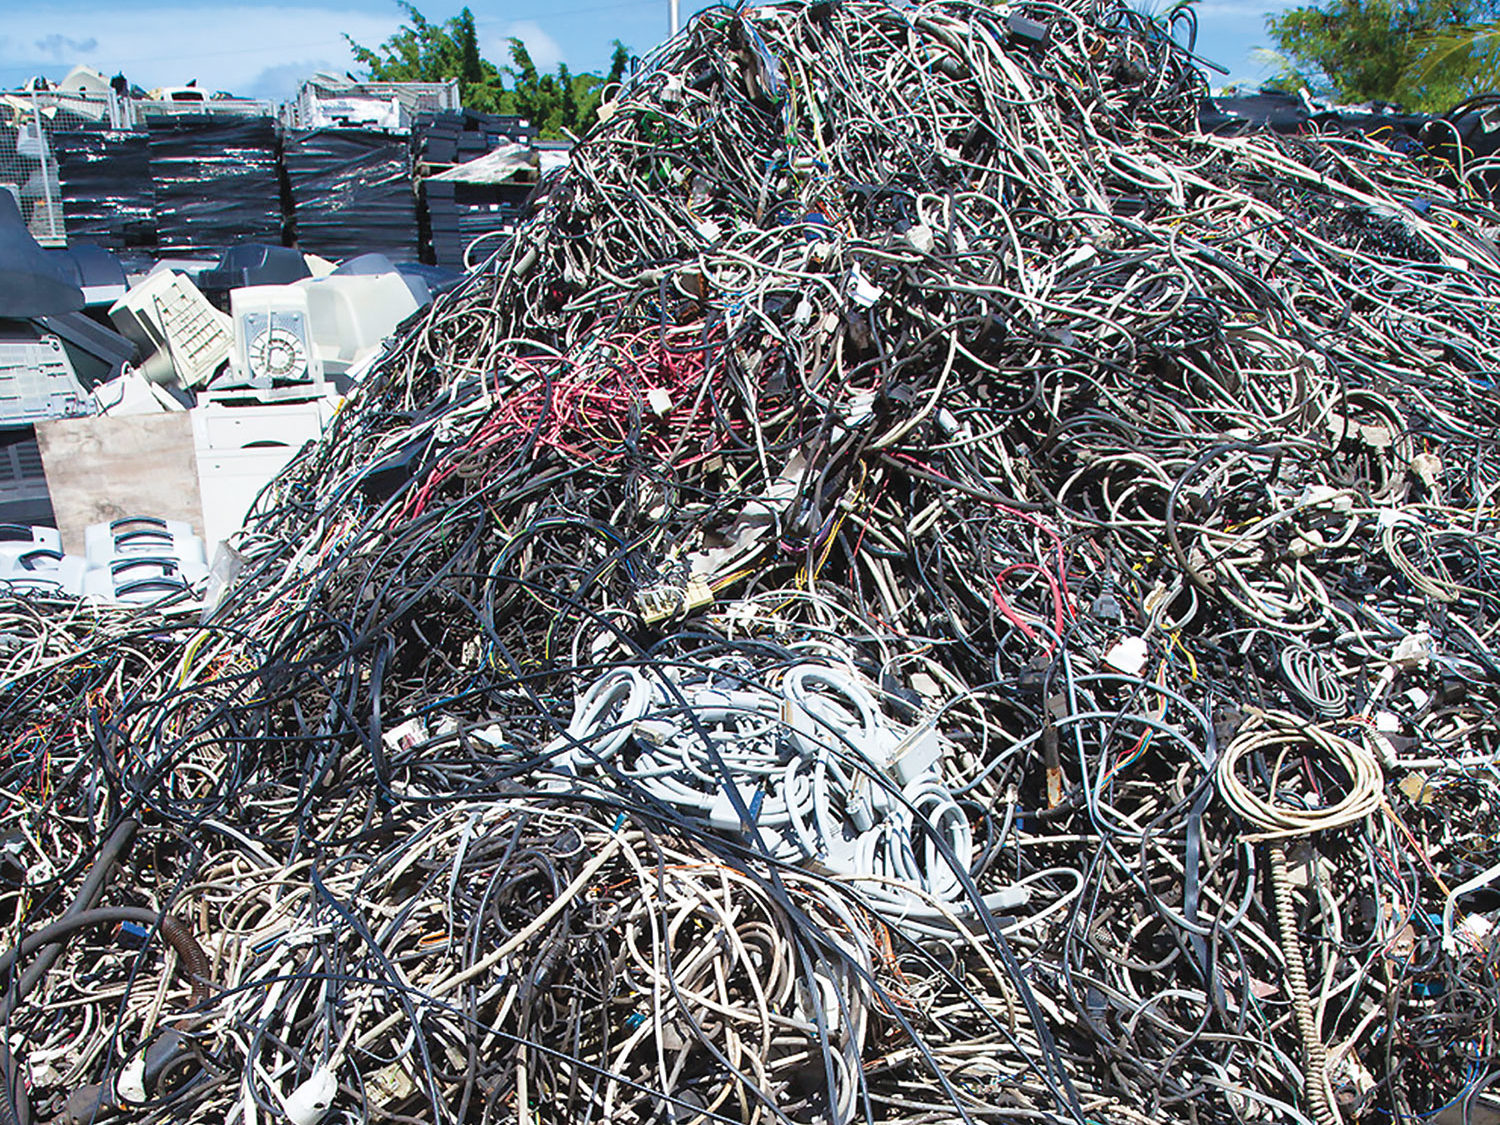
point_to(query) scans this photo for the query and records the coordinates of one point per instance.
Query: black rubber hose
(15, 1108)
(176, 933)
(87, 897)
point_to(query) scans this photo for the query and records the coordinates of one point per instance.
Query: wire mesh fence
(28, 161)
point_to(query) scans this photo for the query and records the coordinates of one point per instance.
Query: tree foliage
(1421, 54)
(423, 51)
(559, 101)
(1470, 53)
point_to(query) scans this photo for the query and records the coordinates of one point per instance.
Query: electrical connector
(1027, 32)
(1427, 468)
(1128, 655)
(405, 735)
(919, 236)
(310, 1102)
(660, 401)
(132, 935)
(171, 1062)
(390, 1084)
(1413, 651)
(917, 754)
(861, 290)
(658, 603)
(87, 1104)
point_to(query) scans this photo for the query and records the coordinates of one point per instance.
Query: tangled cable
(917, 586)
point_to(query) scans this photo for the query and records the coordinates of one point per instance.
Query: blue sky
(261, 48)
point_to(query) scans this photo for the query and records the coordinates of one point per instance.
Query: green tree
(1453, 65)
(1419, 54)
(619, 63)
(562, 102)
(422, 51)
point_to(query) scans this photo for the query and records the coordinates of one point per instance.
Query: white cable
(1279, 732)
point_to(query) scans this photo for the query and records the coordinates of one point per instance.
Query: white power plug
(310, 1102)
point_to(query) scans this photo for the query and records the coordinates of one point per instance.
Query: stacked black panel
(459, 213)
(217, 182)
(351, 193)
(105, 177)
(457, 136)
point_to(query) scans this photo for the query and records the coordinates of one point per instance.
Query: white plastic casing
(310, 1102)
(273, 336)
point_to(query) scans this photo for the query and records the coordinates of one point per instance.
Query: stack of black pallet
(457, 213)
(351, 193)
(458, 136)
(217, 181)
(106, 187)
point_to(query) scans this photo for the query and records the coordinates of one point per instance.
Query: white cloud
(281, 83)
(61, 47)
(544, 49)
(225, 48)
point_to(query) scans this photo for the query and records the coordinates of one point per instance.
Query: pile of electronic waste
(263, 332)
(921, 586)
(261, 322)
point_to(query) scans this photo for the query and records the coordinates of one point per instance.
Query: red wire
(586, 410)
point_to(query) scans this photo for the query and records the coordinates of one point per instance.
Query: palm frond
(1453, 64)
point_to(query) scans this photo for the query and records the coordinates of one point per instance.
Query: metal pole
(672, 7)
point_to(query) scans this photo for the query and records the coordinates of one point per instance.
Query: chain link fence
(28, 164)
(29, 119)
